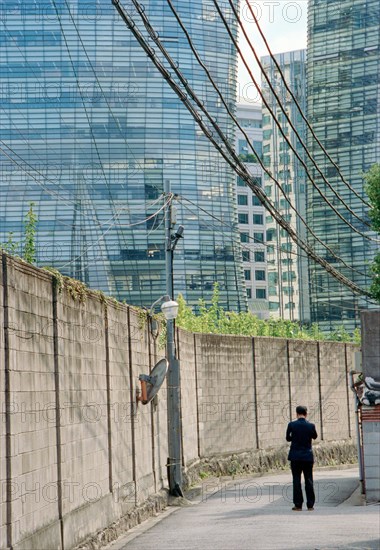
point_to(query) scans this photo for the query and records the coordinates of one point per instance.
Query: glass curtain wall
(343, 106)
(90, 131)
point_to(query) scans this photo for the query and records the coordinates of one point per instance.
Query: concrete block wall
(225, 394)
(142, 421)
(83, 421)
(33, 434)
(272, 389)
(189, 397)
(122, 410)
(334, 375)
(79, 453)
(3, 418)
(305, 379)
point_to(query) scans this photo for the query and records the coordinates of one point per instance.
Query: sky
(284, 24)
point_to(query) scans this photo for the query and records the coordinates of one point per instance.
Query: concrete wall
(79, 454)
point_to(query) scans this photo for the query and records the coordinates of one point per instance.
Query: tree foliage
(214, 320)
(27, 249)
(30, 228)
(373, 191)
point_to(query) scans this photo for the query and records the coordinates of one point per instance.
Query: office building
(287, 266)
(343, 107)
(90, 132)
(251, 214)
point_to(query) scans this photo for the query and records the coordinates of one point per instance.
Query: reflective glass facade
(343, 106)
(92, 132)
(287, 264)
(251, 214)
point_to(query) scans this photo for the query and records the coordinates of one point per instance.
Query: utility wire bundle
(218, 138)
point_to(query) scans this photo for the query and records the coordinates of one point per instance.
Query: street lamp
(170, 310)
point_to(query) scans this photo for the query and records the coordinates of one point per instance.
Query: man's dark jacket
(300, 432)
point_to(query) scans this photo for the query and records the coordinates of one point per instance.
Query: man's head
(301, 411)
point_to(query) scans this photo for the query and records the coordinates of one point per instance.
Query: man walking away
(300, 432)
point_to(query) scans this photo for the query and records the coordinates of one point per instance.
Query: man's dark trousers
(299, 466)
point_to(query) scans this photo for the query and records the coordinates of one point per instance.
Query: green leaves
(30, 225)
(373, 191)
(27, 249)
(214, 320)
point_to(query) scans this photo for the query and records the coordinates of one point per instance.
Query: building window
(261, 293)
(273, 306)
(288, 276)
(258, 147)
(260, 275)
(246, 255)
(267, 134)
(257, 180)
(249, 293)
(243, 218)
(258, 219)
(284, 158)
(273, 277)
(255, 201)
(241, 182)
(259, 256)
(247, 274)
(244, 237)
(266, 120)
(290, 305)
(243, 200)
(258, 237)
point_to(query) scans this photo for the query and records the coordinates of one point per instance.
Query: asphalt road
(255, 514)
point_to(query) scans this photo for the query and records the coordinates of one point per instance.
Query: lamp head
(170, 309)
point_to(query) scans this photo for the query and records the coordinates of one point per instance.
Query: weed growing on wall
(26, 250)
(214, 320)
(30, 229)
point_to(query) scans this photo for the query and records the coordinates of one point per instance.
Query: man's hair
(301, 410)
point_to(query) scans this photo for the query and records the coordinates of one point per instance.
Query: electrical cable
(290, 91)
(256, 241)
(111, 226)
(58, 197)
(174, 65)
(116, 120)
(285, 137)
(121, 235)
(231, 114)
(283, 109)
(238, 166)
(249, 248)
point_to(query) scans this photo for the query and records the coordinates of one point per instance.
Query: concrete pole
(174, 395)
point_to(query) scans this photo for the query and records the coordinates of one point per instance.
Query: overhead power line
(174, 66)
(233, 117)
(248, 248)
(235, 163)
(290, 91)
(67, 202)
(285, 137)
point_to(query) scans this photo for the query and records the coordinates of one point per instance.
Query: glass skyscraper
(343, 106)
(287, 265)
(251, 213)
(89, 133)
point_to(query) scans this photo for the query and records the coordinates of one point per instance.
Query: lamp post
(174, 394)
